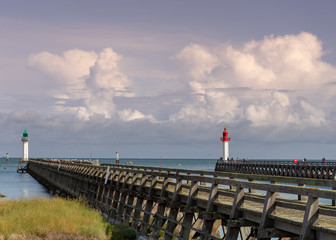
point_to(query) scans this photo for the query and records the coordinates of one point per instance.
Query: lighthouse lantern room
(225, 139)
(25, 139)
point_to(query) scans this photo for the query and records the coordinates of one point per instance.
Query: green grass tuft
(40, 217)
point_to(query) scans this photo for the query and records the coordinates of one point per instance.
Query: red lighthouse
(225, 139)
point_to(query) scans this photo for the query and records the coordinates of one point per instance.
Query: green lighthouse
(25, 139)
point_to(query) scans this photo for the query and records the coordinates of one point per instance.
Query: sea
(15, 185)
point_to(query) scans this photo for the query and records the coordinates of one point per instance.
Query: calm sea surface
(21, 185)
(18, 185)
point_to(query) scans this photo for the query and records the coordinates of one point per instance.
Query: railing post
(232, 232)
(116, 196)
(189, 214)
(122, 202)
(310, 216)
(302, 197)
(202, 183)
(174, 206)
(269, 207)
(149, 207)
(251, 190)
(162, 204)
(333, 201)
(209, 221)
(130, 199)
(140, 198)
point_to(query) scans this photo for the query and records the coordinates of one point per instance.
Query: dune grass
(40, 217)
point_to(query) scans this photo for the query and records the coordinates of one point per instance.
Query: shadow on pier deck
(162, 203)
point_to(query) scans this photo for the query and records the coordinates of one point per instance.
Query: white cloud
(95, 79)
(249, 72)
(274, 72)
(105, 74)
(198, 61)
(68, 70)
(310, 114)
(128, 115)
(273, 112)
(215, 107)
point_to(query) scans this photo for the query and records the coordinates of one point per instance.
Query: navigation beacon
(225, 139)
(25, 139)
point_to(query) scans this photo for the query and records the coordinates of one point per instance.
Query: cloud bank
(275, 88)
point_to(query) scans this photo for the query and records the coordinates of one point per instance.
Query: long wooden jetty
(320, 170)
(165, 203)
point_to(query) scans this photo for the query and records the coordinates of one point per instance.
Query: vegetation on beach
(52, 217)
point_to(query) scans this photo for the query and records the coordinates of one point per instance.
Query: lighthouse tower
(225, 139)
(25, 139)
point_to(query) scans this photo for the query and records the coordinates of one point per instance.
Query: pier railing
(319, 170)
(175, 203)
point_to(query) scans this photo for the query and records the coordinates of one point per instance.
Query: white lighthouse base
(225, 150)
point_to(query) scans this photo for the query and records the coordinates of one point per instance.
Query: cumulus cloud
(68, 70)
(276, 73)
(104, 83)
(105, 74)
(270, 113)
(212, 106)
(197, 61)
(94, 79)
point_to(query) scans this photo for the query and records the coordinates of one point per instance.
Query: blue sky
(153, 78)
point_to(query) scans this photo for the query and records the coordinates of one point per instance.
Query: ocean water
(15, 185)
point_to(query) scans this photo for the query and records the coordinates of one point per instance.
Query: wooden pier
(318, 170)
(164, 203)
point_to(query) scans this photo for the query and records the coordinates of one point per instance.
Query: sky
(153, 79)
